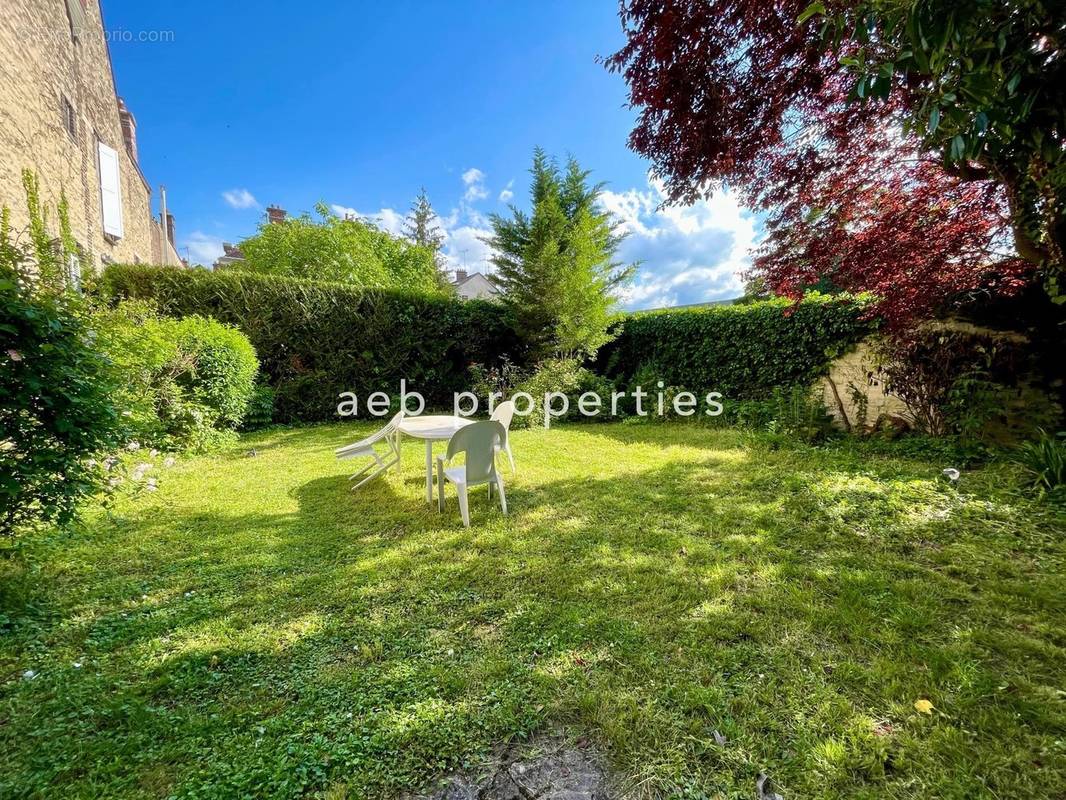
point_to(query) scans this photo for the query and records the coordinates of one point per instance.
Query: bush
(56, 408)
(953, 382)
(184, 383)
(570, 378)
(224, 365)
(260, 411)
(742, 351)
(316, 340)
(1044, 462)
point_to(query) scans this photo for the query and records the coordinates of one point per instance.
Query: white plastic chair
(503, 414)
(478, 442)
(390, 434)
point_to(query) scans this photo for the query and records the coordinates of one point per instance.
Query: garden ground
(255, 629)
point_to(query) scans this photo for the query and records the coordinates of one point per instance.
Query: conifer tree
(421, 228)
(557, 266)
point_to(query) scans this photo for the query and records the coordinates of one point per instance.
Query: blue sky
(358, 105)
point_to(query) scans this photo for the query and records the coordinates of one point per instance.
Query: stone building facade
(60, 116)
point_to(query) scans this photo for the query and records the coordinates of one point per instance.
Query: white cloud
(203, 249)
(388, 219)
(240, 198)
(507, 194)
(463, 248)
(345, 211)
(689, 254)
(474, 180)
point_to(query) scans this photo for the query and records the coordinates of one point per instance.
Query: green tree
(334, 249)
(421, 228)
(557, 265)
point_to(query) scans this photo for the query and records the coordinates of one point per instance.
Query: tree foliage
(331, 248)
(421, 228)
(913, 149)
(557, 264)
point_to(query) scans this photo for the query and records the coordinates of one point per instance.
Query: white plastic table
(432, 428)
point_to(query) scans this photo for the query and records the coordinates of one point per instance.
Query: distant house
(232, 254)
(474, 286)
(60, 116)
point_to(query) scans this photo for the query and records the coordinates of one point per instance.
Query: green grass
(254, 629)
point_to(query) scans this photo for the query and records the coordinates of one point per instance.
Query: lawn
(254, 629)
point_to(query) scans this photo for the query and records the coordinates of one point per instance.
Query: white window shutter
(76, 9)
(110, 191)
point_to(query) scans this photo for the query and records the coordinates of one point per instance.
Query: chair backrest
(376, 436)
(478, 441)
(503, 414)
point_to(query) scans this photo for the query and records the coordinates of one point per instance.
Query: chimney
(460, 275)
(129, 128)
(276, 215)
(170, 229)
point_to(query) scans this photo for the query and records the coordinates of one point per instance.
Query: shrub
(742, 351)
(224, 366)
(260, 411)
(953, 382)
(570, 378)
(316, 340)
(1044, 462)
(793, 411)
(56, 409)
(184, 382)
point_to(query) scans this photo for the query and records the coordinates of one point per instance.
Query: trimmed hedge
(316, 339)
(182, 383)
(743, 351)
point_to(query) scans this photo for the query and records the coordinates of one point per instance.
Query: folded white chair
(365, 448)
(503, 414)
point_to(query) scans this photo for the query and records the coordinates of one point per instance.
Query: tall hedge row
(316, 340)
(742, 351)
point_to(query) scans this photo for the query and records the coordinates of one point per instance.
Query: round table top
(433, 426)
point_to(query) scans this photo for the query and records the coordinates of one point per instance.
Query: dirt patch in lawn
(546, 768)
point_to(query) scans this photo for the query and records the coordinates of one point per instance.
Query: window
(70, 119)
(110, 191)
(74, 272)
(76, 12)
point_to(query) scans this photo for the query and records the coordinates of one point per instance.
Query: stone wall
(42, 64)
(854, 390)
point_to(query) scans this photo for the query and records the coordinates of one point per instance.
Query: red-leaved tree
(755, 95)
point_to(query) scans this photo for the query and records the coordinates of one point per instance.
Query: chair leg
(503, 497)
(369, 477)
(464, 505)
(361, 472)
(440, 487)
(510, 456)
